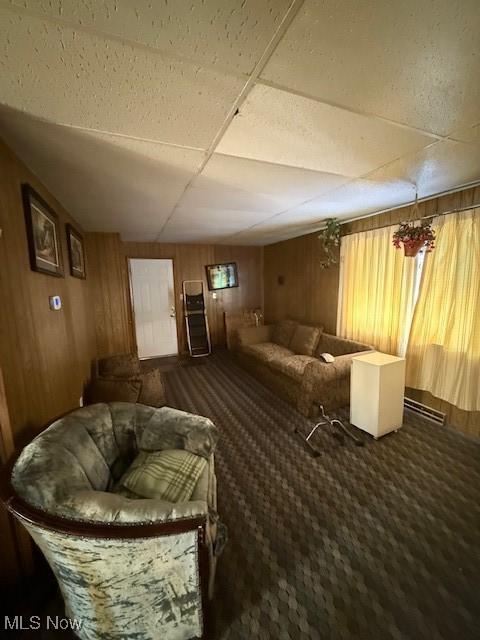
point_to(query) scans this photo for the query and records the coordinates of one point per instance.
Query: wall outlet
(80, 401)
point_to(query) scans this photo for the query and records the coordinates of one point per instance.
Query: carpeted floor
(380, 541)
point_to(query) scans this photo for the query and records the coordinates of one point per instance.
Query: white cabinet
(377, 389)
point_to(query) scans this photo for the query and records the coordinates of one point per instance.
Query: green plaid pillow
(169, 475)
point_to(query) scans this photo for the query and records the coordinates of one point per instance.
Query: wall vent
(438, 417)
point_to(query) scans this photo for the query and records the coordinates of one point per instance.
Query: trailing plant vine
(330, 238)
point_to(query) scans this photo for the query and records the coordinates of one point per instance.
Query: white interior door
(154, 307)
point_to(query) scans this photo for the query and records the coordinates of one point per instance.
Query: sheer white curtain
(376, 293)
(443, 355)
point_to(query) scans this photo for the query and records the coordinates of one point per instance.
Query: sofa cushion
(169, 475)
(114, 390)
(305, 340)
(153, 389)
(282, 332)
(293, 366)
(123, 366)
(267, 351)
(339, 346)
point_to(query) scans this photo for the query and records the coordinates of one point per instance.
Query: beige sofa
(285, 357)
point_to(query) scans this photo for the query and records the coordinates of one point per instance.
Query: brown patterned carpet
(380, 541)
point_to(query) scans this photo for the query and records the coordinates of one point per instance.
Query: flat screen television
(222, 276)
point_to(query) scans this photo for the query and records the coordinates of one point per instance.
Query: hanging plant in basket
(330, 237)
(414, 237)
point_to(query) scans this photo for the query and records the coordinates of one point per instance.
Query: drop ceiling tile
(232, 35)
(356, 198)
(268, 233)
(443, 166)
(138, 237)
(218, 218)
(404, 61)
(107, 183)
(230, 198)
(289, 185)
(193, 235)
(468, 134)
(174, 162)
(74, 77)
(279, 127)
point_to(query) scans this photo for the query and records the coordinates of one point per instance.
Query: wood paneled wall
(115, 330)
(45, 355)
(310, 293)
(189, 264)
(109, 288)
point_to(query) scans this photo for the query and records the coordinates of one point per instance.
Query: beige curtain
(376, 290)
(443, 355)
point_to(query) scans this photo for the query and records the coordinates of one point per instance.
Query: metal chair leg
(337, 428)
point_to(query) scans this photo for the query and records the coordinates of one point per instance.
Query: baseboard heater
(438, 417)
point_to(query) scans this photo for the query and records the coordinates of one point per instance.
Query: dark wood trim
(31, 515)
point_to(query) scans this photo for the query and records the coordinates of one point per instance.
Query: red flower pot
(412, 248)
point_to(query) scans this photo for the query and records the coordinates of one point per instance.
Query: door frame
(133, 329)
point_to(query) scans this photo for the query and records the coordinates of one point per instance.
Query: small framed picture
(76, 253)
(222, 276)
(42, 233)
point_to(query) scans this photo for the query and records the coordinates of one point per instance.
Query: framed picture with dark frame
(76, 253)
(222, 276)
(43, 234)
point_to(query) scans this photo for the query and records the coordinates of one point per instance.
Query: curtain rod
(392, 224)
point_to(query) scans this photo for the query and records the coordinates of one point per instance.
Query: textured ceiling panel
(221, 223)
(413, 62)
(441, 167)
(73, 77)
(195, 234)
(468, 134)
(108, 183)
(232, 35)
(267, 233)
(218, 197)
(276, 126)
(222, 219)
(356, 198)
(163, 77)
(289, 185)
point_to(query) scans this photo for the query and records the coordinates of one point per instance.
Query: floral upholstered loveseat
(127, 568)
(285, 357)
